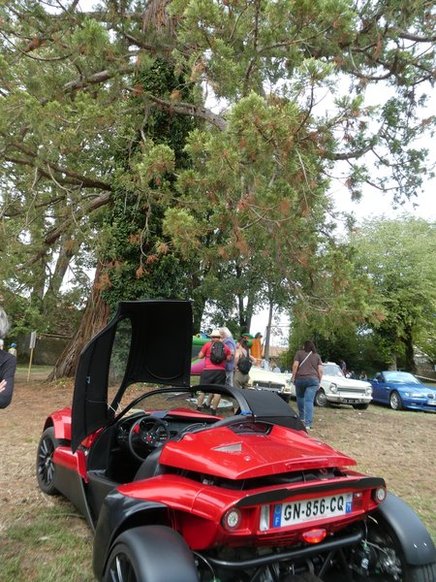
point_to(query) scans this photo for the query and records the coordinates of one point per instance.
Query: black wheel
(360, 406)
(122, 565)
(321, 398)
(45, 468)
(395, 401)
(150, 554)
(386, 560)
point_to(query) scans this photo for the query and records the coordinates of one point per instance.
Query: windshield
(140, 396)
(332, 370)
(403, 377)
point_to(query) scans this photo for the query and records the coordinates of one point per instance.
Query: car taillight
(379, 494)
(357, 500)
(314, 536)
(232, 519)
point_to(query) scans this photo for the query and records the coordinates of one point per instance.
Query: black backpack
(217, 353)
(244, 364)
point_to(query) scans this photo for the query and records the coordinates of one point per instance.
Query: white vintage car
(337, 389)
(261, 379)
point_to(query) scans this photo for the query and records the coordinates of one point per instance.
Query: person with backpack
(216, 355)
(306, 375)
(243, 363)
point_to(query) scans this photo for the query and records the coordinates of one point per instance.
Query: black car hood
(159, 352)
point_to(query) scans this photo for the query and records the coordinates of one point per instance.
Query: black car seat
(150, 467)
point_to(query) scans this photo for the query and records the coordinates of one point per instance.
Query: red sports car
(175, 495)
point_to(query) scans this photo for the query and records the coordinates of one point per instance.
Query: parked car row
(399, 390)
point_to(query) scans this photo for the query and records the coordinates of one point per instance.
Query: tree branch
(190, 109)
(72, 177)
(348, 155)
(97, 78)
(96, 203)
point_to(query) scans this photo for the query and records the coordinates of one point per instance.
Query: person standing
(256, 348)
(213, 372)
(243, 363)
(306, 375)
(227, 339)
(8, 365)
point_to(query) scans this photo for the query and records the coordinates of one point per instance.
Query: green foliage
(111, 153)
(384, 309)
(396, 255)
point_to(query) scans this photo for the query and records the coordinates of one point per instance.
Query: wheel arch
(147, 544)
(415, 541)
(62, 432)
(119, 514)
(321, 398)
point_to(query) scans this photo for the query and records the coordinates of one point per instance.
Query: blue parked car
(402, 390)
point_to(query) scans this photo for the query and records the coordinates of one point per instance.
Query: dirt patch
(398, 446)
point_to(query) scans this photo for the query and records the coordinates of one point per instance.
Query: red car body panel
(61, 421)
(64, 457)
(223, 453)
(198, 510)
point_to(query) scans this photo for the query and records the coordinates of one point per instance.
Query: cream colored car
(261, 379)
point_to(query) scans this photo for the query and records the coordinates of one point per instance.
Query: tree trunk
(268, 332)
(198, 310)
(409, 355)
(94, 318)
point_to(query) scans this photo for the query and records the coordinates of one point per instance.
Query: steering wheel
(145, 435)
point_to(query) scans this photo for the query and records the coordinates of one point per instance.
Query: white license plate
(285, 514)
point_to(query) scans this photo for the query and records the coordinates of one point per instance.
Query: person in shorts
(213, 373)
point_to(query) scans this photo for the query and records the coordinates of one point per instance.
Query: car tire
(45, 468)
(321, 399)
(150, 554)
(395, 561)
(360, 406)
(395, 401)
(421, 573)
